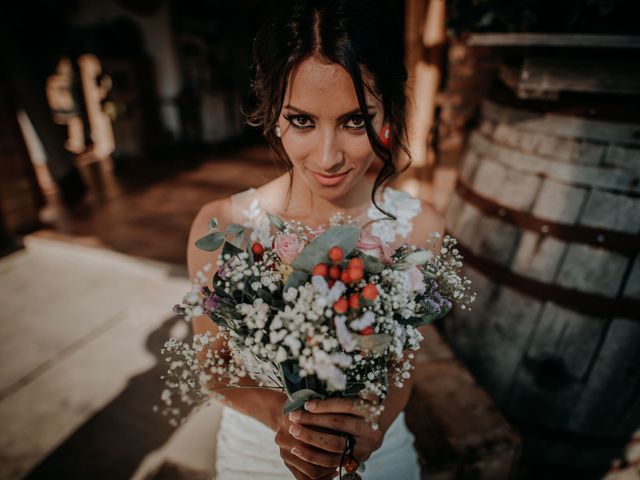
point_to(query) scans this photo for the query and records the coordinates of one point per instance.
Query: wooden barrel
(547, 215)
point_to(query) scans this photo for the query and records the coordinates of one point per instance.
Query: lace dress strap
(246, 210)
(401, 204)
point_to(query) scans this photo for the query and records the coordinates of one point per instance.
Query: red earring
(385, 136)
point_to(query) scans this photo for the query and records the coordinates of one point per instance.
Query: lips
(330, 180)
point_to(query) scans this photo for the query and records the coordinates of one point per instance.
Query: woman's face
(322, 128)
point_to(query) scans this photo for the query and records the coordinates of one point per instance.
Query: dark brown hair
(356, 34)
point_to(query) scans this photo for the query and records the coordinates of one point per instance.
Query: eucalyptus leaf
(401, 265)
(211, 241)
(343, 236)
(296, 279)
(276, 222)
(353, 388)
(235, 229)
(289, 374)
(231, 249)
(418, 258)
(373, 343)
(371, 263)
(426, 318)
(248, 249)
(236, 241)
(297, 400)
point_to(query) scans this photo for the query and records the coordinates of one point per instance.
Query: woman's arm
(246, 398)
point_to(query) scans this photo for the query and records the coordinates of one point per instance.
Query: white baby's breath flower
(344, 336)
(290, 295)
(364, 321)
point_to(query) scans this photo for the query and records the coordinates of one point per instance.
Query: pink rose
(372, 245)
(416, 279)
(287, 247)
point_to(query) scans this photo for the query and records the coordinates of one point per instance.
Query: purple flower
(213, 302)
(224, 270)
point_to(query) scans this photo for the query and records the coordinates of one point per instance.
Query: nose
(332, 156)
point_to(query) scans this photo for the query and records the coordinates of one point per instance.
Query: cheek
(358, 150)
(298, 148)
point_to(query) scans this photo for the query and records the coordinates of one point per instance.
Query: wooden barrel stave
(613, 385)
(593, 270)
(555, 365)
(548, 365)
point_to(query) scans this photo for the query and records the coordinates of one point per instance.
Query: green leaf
(276, 222)
(248, 249)
(213, 223)
(371, 263)
(289, 374)
(231, 249)
(235, 229)
(236, 241)
(426, 318)
(297, 400)
(296, 279)
(343, 236)
(211, 241)
(418, 258)
(353, 388)
(373, 343)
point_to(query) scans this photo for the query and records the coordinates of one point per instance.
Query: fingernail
(295, 430)
(295, 416)
(310, 405)
(295, 451)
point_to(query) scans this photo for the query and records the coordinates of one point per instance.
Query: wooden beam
(553, 40)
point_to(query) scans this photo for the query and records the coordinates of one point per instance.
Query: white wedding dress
(246, 449)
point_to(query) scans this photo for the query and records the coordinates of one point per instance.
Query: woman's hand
(339, 415)
(324, 464)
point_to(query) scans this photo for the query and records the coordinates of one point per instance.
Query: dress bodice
(249, 209)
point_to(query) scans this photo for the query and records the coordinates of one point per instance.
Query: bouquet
(317, 316)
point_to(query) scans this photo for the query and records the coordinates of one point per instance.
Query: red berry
(257, 249)
(370, 292)
(356, 262)
(345, 277)
(320, 269)
(341, 306)
(331, 282)
(335, 272)
(356, 274)
(335, 254)
(354, 301)
(367, 331)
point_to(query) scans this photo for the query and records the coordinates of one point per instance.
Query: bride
(330, 100)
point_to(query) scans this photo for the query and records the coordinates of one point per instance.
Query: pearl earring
(277, 130)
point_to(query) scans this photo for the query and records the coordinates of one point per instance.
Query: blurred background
(120, 118)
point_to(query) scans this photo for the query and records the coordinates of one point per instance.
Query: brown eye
(356, 122)
(299, 121)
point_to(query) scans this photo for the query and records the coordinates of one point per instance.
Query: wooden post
(424, 61)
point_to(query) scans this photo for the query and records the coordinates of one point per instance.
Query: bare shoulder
(220, 210)
(426, 222)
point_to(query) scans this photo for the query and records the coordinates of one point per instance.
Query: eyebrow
(344, 116)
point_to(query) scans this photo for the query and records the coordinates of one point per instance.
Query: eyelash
(290, 118)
